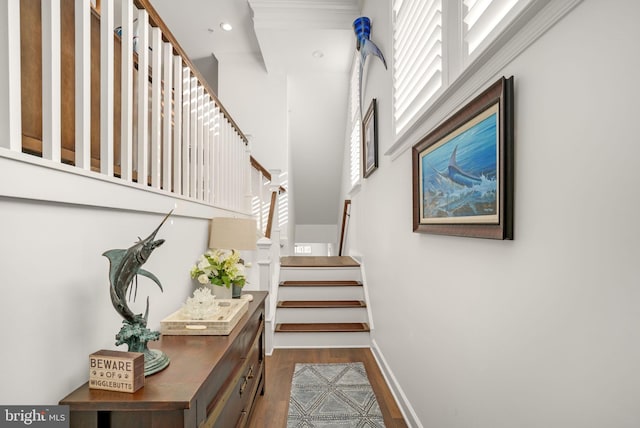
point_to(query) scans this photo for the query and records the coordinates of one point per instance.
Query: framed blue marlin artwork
(463, 170)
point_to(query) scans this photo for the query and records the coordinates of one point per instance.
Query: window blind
(417, 43)
(481, 17)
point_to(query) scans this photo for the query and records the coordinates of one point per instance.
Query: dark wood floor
(271, 409)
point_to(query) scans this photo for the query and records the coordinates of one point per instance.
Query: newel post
(264, 284)
(264, 263)
(246, 162)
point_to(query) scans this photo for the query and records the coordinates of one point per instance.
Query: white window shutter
(417, 51)
(485, 19)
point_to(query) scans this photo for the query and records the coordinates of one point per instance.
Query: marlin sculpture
(124, 266)
(364, 45)
(457, 175)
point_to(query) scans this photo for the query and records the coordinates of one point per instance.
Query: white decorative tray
(222, 322)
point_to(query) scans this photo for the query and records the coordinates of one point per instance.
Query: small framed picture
(369, 140)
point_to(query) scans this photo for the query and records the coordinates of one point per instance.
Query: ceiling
(309, 41)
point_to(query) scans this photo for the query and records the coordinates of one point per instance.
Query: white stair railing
(177, 139)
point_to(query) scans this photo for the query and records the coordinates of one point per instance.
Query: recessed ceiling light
(226, 26)
(317, 54)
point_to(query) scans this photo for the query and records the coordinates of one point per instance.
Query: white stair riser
(322, 340)
(321, 315)
(319, 274)
(320, 293)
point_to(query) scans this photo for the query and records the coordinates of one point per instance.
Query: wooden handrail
(156, 20)
(272, 209)
(264, 172)
(259, 167)
(345, 214)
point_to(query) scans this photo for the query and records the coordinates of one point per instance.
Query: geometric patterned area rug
(332, 396)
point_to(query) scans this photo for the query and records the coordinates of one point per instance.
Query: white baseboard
(408, 413)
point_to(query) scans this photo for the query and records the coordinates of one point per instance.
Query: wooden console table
(211, 382)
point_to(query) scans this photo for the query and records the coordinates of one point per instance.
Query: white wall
(317, 108)
(316, 233)
(544, 330)
(258, 103)
(56, 308)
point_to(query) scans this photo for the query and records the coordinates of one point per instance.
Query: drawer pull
(246, 379)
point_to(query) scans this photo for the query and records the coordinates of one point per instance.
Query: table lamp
(228, 233)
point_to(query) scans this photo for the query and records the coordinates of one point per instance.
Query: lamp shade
(229, 233)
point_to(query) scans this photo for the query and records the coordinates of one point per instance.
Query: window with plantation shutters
(437, 42)
(417, 48)
(484, 19)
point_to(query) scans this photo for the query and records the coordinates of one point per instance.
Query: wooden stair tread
(321, 304)
(320, 284)
(318, 261)
(344, 327)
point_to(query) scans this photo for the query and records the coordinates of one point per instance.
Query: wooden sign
(116, 370)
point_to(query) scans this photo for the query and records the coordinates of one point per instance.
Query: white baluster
(238, 191)
(229, 165)
(106, 88)
(143, 97)
(167, 78)
(193, 124)
(216, 156)
(206, 149)
(126, 100)
(186, 134)
(199, 145)
(218, 160)
(51, 80)
(224, 165)
(186, 129)
(234, 190)
(248, 182)
(156, 120)
(213, 114)
(83, 83)
(10, 102)
(177, 124)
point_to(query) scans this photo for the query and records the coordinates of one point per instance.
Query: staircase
(321, 303)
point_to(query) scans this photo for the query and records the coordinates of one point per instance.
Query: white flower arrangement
(220, 267)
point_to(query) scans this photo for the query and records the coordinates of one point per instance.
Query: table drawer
(226, 410)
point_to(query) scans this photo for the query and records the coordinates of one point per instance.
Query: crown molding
(302, 14)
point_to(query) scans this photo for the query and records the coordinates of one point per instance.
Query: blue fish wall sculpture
(364, 45)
